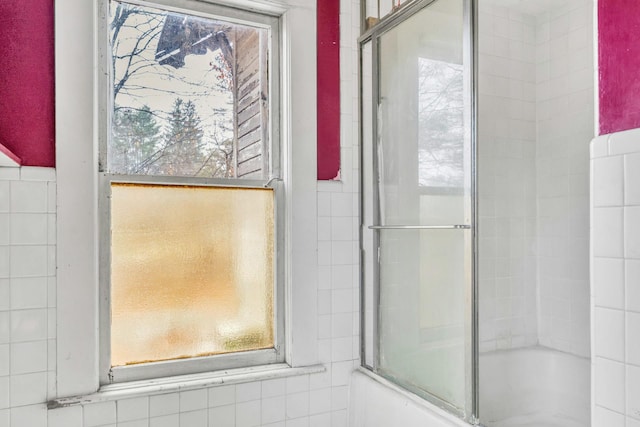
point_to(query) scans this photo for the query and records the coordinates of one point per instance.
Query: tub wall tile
(632, 331)
(608, 277)
(506, 168)
(615, 286)
(609, 333)
(27, 375)
(534, 128)
(632, 179)
(610, 191)
(632, 290)
(633, 422)
(606, 417)
(565, 112)
(633, 391)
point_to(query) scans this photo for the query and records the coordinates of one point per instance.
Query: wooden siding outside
(251, 152)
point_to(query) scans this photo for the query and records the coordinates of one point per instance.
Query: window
(190, 192)
(82, 104)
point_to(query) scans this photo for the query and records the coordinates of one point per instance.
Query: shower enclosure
(476, 120)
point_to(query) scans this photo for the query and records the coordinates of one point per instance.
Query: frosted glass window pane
(191, 271)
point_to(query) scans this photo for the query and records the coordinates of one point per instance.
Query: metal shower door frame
(470, 55)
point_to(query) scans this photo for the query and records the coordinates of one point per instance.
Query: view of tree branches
(441, 124)
(172, 107)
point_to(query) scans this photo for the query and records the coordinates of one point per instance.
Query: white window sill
(127, 390)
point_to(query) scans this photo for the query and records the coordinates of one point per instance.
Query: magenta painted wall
(27, 108)
(27, 121)
(619, 64)
(328, 89)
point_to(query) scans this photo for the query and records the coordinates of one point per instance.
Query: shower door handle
(420, 227)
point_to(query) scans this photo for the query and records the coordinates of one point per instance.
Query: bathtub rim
(418, 400)
(553, 358)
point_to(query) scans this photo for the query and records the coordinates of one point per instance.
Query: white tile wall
(616, 280)
(27, 378)
(507, 178)
(565, 124)
(28, 316)
(536, 118)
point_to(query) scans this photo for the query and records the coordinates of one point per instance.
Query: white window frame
(109, 374)
(78, 128)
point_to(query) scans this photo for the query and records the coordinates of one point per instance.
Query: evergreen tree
(181, 153)
(134, 140)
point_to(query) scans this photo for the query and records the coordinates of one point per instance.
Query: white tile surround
(27, 294)
(536, 118)
(565, 115)
(615, 275)
(28, 313)
(506, 165)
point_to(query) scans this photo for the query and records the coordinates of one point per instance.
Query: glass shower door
(417, 204)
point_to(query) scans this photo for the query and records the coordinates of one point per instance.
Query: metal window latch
(273, 178)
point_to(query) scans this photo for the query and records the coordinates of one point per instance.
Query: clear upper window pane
(189, 95)
(440, 124)
(192, 271)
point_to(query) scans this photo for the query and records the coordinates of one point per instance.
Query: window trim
(77, 24)
(159, 369)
